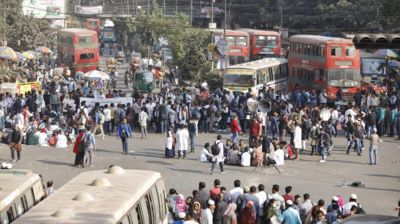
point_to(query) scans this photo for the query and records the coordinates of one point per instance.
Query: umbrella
(29, 54)
(7, 53)
(58, 71)
(96, 74)
(44, 50)
(19, 57)
(386, 53)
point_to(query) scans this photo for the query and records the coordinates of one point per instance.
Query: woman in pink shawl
(230, 215)
(180, 204)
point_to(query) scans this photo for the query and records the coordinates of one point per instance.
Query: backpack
(86, 141)
(196, 113)
(215, 149)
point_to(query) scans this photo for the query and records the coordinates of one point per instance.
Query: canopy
(96, 74)
(386, 53)
(7, 53)
(44, 50)
(394, 64)
(29, 54)
(20, 56)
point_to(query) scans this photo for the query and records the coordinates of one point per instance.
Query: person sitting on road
(205, 155)
(245, 157)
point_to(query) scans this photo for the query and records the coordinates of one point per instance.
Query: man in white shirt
(279, 157)
(245, 158)
(276, 196)
(143, 117)
(262, 197)
(237, 191)
(207, 214)
(350, 112)
(352, 202)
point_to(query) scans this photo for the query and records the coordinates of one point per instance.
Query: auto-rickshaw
(120, 57)
(111, 64)
(143, 81)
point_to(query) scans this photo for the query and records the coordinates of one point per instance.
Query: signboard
(48, 9)
(373, 66)
(222, 46)
(90, 102)
(23, 88)
(88, 10)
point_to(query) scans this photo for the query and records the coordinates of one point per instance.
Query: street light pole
(191, 12)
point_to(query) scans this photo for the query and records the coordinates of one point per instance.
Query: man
(107, 120)
(373, 148)
(143, 117)
(297, 140)
(217, 150)
(15, 144)
(207, 214)
(203, 194)
(275, 195)
(306, 207)
(89, 146)
(252, 197)
(352, 202)
(331, 207)
(288, 195)
(274, 125)
(124, 132)
(236, 191)
(235, 129)
(262, 198)
(216, 190)
(99, 119)
(290, 215)
(255, 130)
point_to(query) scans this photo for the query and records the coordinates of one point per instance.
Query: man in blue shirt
(290, 215)
(252, 197)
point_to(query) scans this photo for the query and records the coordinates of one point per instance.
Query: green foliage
(188, 45)
(30, 32)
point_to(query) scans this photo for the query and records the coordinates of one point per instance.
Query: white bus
(267, 72)
(113, 196)
(20, 190)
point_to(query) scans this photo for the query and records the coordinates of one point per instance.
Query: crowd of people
(255, 204)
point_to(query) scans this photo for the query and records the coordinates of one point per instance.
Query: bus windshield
(238, 80)
(266, 41)
(344, 77)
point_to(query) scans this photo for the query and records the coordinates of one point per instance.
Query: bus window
(230, 40)
(157, 205)
(336, 51)
(85, 39)
(86, 56)
(150, 208)
(125, 220)
(350, 51)
(139, 214)
(30, 201)
(4, 218)
(241, 41)
(10, 214)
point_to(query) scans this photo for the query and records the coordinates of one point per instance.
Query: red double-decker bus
(78, 49)
(238, 44)
(93, 24)
(264, 43)
(318, 62)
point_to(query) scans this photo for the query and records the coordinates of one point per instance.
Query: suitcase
(169, 153)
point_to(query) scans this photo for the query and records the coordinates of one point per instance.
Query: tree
(25, 32)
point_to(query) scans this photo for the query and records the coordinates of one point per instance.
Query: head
(217, 182)
(253, 189)
(202, 185)
(236, 183)
(288, 189)
(261, 187)
(297, 199)
(275, 188)
(219, 137)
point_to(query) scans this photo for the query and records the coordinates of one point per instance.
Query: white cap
(211, 202)
(353, 196)
(335, 198)
(181, 215)
(289, 202)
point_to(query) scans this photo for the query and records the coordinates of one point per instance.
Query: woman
(247, 215)
(124, 132)
(182, 141)
(79, 149)
(15, 144)
(258, 155)
(230, 215)
(180, 204)
(195, 211)
(170, 144)
(62, 141)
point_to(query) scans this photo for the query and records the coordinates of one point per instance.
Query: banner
(23, 88)
(90, 102)
(88, 10)
(48, 9)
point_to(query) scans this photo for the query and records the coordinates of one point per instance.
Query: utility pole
(176, 6)
(191, 12)
(164, 7)
(5, 8)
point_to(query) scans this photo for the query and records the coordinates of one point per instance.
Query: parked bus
(78, 49)
(238, 44)
(318, 62)
(93, 24)
(20, 190)
(113, 196)
(267, 72)
(264, 43)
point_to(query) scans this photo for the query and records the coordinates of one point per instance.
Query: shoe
(14, 160)
(322, 161)
(222, 172)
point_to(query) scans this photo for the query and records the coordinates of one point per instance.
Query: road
(380, 194)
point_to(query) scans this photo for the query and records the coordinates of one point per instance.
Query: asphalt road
(321, 181)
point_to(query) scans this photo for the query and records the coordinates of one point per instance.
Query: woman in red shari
(247, 214)
(79, 149)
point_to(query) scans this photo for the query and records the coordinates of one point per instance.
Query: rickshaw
(111, 64)
(143, 81)
(136, 62)
(120, 57)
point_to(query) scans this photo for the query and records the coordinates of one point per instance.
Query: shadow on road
(58, 163)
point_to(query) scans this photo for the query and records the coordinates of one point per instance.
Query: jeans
(163, 126)
(221, 166)
(358, 146)
(107, 128)
(125, 145)
(370, 127)
(88, 157)
(54, 107)
(373, 154)
(192, 142)
(322, 152)
(2, 120)
(234, 137)
(112, 125)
